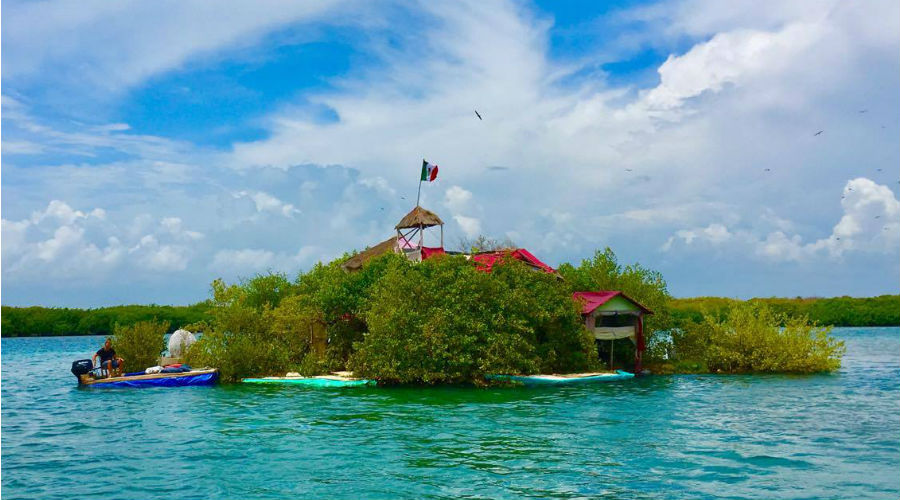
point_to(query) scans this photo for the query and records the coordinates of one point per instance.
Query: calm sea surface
(823, 436)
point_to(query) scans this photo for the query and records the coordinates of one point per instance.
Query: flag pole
(419, 195)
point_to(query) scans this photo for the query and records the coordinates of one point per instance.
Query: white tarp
(179, 342)
(613, 332)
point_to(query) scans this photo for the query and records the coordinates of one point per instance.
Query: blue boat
(207, 376)
(578, 378)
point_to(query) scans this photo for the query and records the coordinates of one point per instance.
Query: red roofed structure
(593, 300)
(612, 315)
(485, 260)
(608, 315)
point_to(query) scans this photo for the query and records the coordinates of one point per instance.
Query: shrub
(444, 321)
(312, 365)
(750, 338)
(140, 344)
(239, 341)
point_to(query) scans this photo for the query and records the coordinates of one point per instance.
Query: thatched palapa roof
(419, 217)
(356, 262)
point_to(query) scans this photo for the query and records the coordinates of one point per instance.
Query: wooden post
(639, 344)
(611, 353)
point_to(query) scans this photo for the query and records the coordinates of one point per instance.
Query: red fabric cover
(431, 252)
(486, 260)
(593, 300)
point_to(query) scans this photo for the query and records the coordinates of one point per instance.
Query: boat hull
(311, 381)
(186, 379)
(553, 380)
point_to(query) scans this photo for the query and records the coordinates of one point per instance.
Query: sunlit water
(823, 436)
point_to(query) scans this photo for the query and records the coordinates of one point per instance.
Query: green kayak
(581, 378)
(320, 381)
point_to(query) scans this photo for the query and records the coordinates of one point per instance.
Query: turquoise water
(823, 436)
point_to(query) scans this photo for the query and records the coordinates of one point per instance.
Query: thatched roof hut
(415, 222)
(419, 218)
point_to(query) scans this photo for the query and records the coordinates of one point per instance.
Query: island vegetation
(59, 321)
(439, 321)
(445, 321)
(883, 310)
(39, 321)
(750, 337)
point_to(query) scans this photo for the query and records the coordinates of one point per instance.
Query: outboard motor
(82, 367)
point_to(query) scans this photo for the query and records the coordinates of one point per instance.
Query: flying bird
(628, 170)
(478, 115)
(768, 170)
(817, 133)
(877, 216)
(878, 169)
(863, 110)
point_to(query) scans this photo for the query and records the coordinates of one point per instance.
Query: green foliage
(883, 310)
(46, 321)
(141, 343)
(751, 337)
(444, 321)
(264, 290)
(313, 365)
(256, 329)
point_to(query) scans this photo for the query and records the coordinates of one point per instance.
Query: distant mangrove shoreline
(36, 321)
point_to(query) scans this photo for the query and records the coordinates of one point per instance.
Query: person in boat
(108, 358)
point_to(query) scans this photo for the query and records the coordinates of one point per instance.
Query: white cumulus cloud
(265, 202)
(469, 225)
(870, 223)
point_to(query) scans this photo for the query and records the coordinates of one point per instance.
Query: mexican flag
(429, 171)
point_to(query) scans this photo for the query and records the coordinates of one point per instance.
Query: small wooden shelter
(409, 240)
(412, 227)
(612, 315)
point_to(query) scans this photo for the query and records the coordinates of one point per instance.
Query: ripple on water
(660, 437)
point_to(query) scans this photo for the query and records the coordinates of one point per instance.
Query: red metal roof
(593, 300)
(486, 260)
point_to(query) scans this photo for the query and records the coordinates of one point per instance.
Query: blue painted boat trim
(531, 380)
(183, 381)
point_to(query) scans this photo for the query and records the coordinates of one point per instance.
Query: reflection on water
(821, 436)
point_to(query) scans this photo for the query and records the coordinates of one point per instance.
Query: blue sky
(151, 147)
